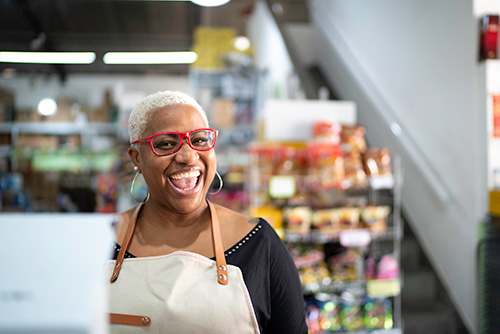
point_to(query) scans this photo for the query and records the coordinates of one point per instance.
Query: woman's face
(179, 181)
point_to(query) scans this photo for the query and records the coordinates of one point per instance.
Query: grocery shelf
(319, 237)
(57, 128)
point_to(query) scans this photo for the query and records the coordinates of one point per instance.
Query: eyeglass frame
(182, 135)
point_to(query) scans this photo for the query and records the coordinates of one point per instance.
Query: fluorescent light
(180, 57)
(210, 3)
(47, 57)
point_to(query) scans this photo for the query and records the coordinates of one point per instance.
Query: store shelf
(58, 128)
(319, 237)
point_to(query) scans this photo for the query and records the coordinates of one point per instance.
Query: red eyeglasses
(167, 143)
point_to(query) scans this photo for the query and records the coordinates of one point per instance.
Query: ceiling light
(241, 43)
(210, 3)
(47, 57)
(180, 57)
(47, 107)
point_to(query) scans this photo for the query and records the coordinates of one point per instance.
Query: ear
(134, 156)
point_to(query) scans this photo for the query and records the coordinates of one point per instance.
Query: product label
(496, 116)
(380, 288)
(281, 186)
(355, 238)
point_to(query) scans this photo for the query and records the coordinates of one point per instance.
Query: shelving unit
(53, 161)
(382, 191)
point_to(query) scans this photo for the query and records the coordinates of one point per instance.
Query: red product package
(489, 37)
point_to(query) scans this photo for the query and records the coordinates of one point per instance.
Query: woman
(184, 265)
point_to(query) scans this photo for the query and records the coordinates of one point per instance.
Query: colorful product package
(326, 166)
(378, 314)
(325, 221)
(377, 162)
(353, 138)
(297, 219)
(355, 176)
(375, 218)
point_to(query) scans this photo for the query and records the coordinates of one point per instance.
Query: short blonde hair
(143, 110)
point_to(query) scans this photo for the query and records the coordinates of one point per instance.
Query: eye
(166, 142)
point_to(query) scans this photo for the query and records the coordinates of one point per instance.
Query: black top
(271, 278)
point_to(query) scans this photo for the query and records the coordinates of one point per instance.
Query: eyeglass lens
(168, 143)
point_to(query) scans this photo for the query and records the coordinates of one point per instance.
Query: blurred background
(366, 132)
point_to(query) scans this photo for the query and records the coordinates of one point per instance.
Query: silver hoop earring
(132, 188)
(221, 183)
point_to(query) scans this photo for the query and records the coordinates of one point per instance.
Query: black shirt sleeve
(272, 281)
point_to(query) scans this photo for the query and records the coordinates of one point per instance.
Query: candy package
(326, 166)
(327, 131)
(355, 176)
(297, 219)
(375, 218)
(353, 138)
(377, 162)
(325, 221)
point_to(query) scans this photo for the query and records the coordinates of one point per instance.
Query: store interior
(366, 133)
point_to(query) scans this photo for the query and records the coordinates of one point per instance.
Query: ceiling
(116, 25)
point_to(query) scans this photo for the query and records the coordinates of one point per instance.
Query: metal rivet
(222, 267)
(222, 277)
(145, 321)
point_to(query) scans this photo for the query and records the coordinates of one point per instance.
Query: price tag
(282, 186)
(380, 288)
(355, 238)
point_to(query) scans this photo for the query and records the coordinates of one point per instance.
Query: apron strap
(125, 243)
(220, 258)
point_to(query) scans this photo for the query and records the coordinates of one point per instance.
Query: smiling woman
(182, 264)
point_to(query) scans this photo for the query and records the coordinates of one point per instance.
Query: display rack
(382, 191)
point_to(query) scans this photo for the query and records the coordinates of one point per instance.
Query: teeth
(185, 175)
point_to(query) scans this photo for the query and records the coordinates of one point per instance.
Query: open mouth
(185, 182)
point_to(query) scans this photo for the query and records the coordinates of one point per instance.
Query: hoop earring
(221, 183)
(132, 188)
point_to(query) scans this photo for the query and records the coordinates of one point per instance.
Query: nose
(186, 154)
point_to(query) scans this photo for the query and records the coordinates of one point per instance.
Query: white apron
(177, 293)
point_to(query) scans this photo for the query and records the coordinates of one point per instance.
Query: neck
(157, 222)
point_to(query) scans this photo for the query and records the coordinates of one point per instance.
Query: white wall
(411, 68)
(270, 51)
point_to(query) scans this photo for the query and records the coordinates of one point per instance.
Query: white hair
(143, 110)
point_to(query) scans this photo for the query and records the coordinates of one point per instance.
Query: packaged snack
(325, 221)
(355, 176)
(309, 257)
(263, 156)
(330, 314)
(326, 166)
(388, 267)
(311, 277)
(327, 131)
(290, 159)
(375, 218)
(353, 138)
(352, 315)
(347, 265)
(348, 217)
(297, 219)
(378, 314)
(377, 162)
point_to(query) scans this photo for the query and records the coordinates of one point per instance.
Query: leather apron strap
(220, 258)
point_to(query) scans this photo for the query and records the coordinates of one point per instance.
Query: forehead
(175, 118)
